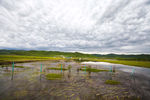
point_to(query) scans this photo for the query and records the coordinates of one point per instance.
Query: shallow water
(141, 75)
(125, 68)
(29, 84)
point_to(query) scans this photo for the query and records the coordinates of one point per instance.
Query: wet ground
(29, 84)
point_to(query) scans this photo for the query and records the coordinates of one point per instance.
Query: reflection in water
(89, 74)
(78, 69)
(69, 73)
(7, 68)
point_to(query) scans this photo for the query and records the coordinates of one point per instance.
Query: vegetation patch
(57, 68)
(21, 93)
(18, 56)
(3, 66)
(11, 66)
(112, 82)
(69, 67)
(125, 62)
(53, 76)
(93, 70)
(8, 59)
(19, 67)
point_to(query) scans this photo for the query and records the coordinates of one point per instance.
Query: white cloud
(121, 26)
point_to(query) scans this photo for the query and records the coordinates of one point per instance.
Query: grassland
(132, 63)
(7, 56)
(8, 59)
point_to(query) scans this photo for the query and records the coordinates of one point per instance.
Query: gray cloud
(76, 25)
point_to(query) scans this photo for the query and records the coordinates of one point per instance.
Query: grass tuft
(112, 82)
(3, 66)
(11, 66)
(93, 70)
(57, 68)
(53, 76)
(19, 66)
(69, 67)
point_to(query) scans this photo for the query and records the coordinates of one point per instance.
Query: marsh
(71, 83)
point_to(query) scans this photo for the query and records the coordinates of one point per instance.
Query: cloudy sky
(94, 26)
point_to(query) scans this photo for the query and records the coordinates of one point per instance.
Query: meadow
(7, 56)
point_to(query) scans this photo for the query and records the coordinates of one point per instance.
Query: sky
(92, 26)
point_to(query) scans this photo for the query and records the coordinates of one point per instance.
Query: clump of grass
(59, 65)
(57, 68)
(19, 66)
(93, 70)
(11, 66)
(21, 93)
(112, 82)
(69, 67)
(3, 66)
(53, 76)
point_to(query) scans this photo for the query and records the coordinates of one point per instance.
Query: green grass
(132, 63)
(8, 59)
(44, 53)
(57, 68)
(11, 66)
(19, 66)
(3, 66)
(69, 67)
(112, 82)
(93, 70)
(53, 76)
(145, 64)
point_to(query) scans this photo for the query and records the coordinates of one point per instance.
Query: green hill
(44, 53)
(141, 57)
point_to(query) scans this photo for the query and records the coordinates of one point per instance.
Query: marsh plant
(59, 65)
(53, 76)
(2, 66)
(61, 68)
(57, 68)
(69, 67)
(19, 67)
(11, 66)
(89, 69)
(112, 82)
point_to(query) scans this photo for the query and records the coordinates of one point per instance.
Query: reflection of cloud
(76, 25)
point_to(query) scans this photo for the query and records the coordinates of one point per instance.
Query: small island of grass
(19, 66)
(11, 66)
(57, 68)
(53, 76)
(112, 82)
(93, 70)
